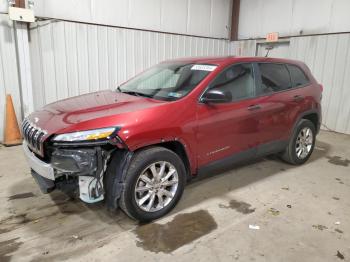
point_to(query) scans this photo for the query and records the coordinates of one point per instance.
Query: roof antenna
(268, 48)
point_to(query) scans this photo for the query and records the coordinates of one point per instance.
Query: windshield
(168, 81)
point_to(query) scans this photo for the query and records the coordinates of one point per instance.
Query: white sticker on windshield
(175, 94)
(204, 67)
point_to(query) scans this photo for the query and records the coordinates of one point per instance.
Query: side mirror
(216, 96)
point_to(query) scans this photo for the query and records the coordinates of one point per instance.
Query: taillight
(321, 87)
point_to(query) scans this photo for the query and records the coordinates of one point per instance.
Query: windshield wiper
(134, 93)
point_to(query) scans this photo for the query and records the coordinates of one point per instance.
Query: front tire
(301, 144)
(154, 184)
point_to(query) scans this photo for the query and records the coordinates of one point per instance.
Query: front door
(225, 129)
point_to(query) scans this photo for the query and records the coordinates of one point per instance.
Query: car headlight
(89, 135)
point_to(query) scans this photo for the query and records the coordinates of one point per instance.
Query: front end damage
(83, 170)
(80, 171)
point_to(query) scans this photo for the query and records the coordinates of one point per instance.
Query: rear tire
(154, 184)
(301, 144)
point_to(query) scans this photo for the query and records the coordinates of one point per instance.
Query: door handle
(254, 107)
(298, 98)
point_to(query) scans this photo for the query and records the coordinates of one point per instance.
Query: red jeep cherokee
(137, 146)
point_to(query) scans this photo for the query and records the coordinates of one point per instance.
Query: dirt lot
(303, 214)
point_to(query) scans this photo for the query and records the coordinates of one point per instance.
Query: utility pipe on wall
(23, 63)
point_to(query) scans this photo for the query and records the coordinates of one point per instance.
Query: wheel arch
(312, 115)
(178, 148)
(314, 118)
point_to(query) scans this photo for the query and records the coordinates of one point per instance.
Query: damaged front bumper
(40, 167)
(74, 170)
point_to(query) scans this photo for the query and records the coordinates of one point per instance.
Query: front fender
(135, 143)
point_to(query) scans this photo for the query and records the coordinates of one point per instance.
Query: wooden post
(234, 20)
(20, 3)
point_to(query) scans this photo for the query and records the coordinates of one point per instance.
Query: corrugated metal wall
(8, 70)
(70, 58)
(328, 57)
(244, 48)
(209, 18)
(292, 17)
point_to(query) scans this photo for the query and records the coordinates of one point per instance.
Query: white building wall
(70, 59)
(209, 18)
(328, 57)
(3, 6)
(8, 70)
(292, 17)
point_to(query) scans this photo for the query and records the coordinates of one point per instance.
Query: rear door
(302, 93)
(281, 101)
(274, 82)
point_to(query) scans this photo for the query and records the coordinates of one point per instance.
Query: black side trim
(250, 154)
(228, 162)
(271, 148)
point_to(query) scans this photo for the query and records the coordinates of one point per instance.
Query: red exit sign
(272, 37)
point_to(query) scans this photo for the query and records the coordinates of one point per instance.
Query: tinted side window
(298, 76)
(274, 78)
(238, 80)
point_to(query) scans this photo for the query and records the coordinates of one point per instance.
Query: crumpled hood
(90, 111)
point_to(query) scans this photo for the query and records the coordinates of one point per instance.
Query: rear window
(298, 76)
(274, 78)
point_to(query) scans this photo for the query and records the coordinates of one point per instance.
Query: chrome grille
(33, 135)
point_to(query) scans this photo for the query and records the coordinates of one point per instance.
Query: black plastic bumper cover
(46, 185)
(115, 177)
